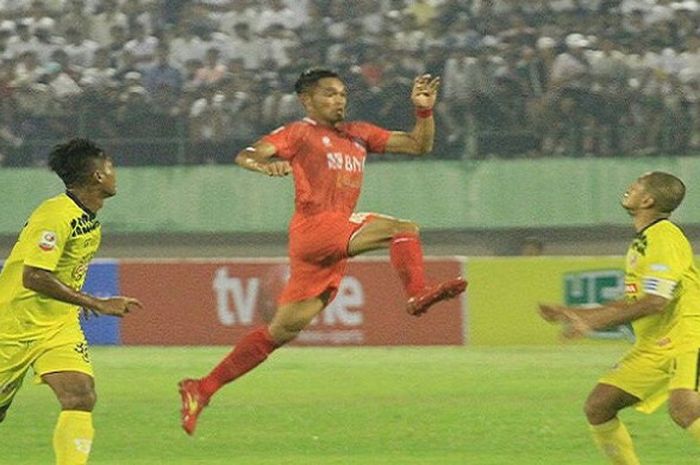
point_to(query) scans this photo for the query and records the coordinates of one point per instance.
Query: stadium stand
(188, 82)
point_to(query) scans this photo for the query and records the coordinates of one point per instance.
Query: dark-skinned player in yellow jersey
(40, 296)
(326, 156)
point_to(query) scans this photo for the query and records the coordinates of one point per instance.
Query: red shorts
(318, 253)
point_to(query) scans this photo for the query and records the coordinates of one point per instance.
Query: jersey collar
(77, 201)
(340, 129)
(651, 224)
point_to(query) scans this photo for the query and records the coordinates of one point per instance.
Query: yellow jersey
(660, 262)
(60, 236)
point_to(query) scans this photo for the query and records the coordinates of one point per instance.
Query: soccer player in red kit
(326, 156)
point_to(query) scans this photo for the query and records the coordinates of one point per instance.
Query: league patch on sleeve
(658, 267)
(48, 241)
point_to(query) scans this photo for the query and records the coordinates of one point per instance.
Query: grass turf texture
(369, 406)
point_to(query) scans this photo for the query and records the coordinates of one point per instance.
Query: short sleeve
(286, 140)
(46, 235)
(374, 136)
(664, 267)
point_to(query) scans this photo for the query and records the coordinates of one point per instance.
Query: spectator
(77, 17)
(22, 41)
(142, 46)
(47, 40)
(212, 70)
(186, 45)
(108, 17)
(80, 50)
(161, 78)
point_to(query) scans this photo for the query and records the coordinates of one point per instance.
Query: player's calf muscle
(684, 407)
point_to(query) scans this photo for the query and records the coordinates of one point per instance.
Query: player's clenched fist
(118, 306)
(277, 168)
(424, 91)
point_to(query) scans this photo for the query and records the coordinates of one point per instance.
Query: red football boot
(193, 402)
(421, 302)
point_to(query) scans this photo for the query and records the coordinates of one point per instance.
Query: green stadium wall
(437, 194)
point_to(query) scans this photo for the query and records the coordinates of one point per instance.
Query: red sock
(407, 259)
(250, 352)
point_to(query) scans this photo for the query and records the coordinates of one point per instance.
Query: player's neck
(646, 217)
(88, 199)
(323, 122)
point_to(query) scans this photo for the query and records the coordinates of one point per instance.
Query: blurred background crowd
(185, 82)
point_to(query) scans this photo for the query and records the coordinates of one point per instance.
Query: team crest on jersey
(47, 242)
(326, 141)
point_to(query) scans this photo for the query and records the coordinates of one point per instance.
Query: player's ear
(648, 201)
(304, 99)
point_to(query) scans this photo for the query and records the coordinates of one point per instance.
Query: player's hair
(668, 190)
(310, 78)
(73, 161)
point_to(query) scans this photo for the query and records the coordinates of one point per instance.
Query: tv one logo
(237, 300)
(593, 288)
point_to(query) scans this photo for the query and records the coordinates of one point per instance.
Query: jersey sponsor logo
(47, 242)
(342, 161)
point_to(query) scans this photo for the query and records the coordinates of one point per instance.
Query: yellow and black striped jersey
(660, 262)
(60, 236)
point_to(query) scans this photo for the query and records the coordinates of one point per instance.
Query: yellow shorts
(650, 376)
(65, 350)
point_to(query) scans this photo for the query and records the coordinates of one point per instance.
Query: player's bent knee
(284, 333)
(681, 414)
(405, 227)
(84, 399)
(598, 411)
(282, 336)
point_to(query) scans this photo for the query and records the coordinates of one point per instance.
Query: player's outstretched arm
(46, 283)
(578, 322)
(420, 140)
(259, 158)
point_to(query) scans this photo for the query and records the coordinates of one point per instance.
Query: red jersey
(328, 163)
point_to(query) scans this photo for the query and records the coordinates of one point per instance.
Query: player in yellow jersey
(662, 288)
(40, 296)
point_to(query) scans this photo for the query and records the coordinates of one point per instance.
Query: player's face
(635, 196)
(327, 100)
(107, 177)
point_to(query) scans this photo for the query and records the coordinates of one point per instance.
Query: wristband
(424, 112)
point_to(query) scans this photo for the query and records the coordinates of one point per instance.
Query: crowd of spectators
(178, 81)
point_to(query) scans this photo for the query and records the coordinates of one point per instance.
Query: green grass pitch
(348, 406)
